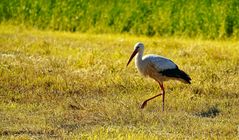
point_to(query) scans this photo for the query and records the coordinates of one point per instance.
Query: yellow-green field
(63, 85)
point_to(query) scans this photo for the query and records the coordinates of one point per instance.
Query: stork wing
(160, 63)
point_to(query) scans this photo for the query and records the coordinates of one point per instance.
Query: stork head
(138, 47)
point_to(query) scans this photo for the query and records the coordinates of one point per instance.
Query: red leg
(145, 102)
(161, 85)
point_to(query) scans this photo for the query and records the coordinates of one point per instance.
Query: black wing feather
(176, 73)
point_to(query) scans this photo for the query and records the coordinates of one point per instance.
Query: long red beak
(132, 56)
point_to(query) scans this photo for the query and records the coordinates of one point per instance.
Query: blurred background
(210, 19)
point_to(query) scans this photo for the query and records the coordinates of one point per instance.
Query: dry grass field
(60, 85)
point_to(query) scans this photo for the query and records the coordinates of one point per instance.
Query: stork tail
(185, 77)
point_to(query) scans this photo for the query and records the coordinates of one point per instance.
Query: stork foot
(143, 105)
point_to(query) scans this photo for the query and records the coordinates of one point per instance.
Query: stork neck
(139, 57)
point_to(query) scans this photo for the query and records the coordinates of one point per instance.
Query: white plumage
(161, 63)
(157, 67)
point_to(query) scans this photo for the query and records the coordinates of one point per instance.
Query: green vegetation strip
(192, 18)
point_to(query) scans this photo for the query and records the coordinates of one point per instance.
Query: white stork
(157, 67)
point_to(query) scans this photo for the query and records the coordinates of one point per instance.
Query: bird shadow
(210, 112)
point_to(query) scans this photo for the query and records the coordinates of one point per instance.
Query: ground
(77, 86)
